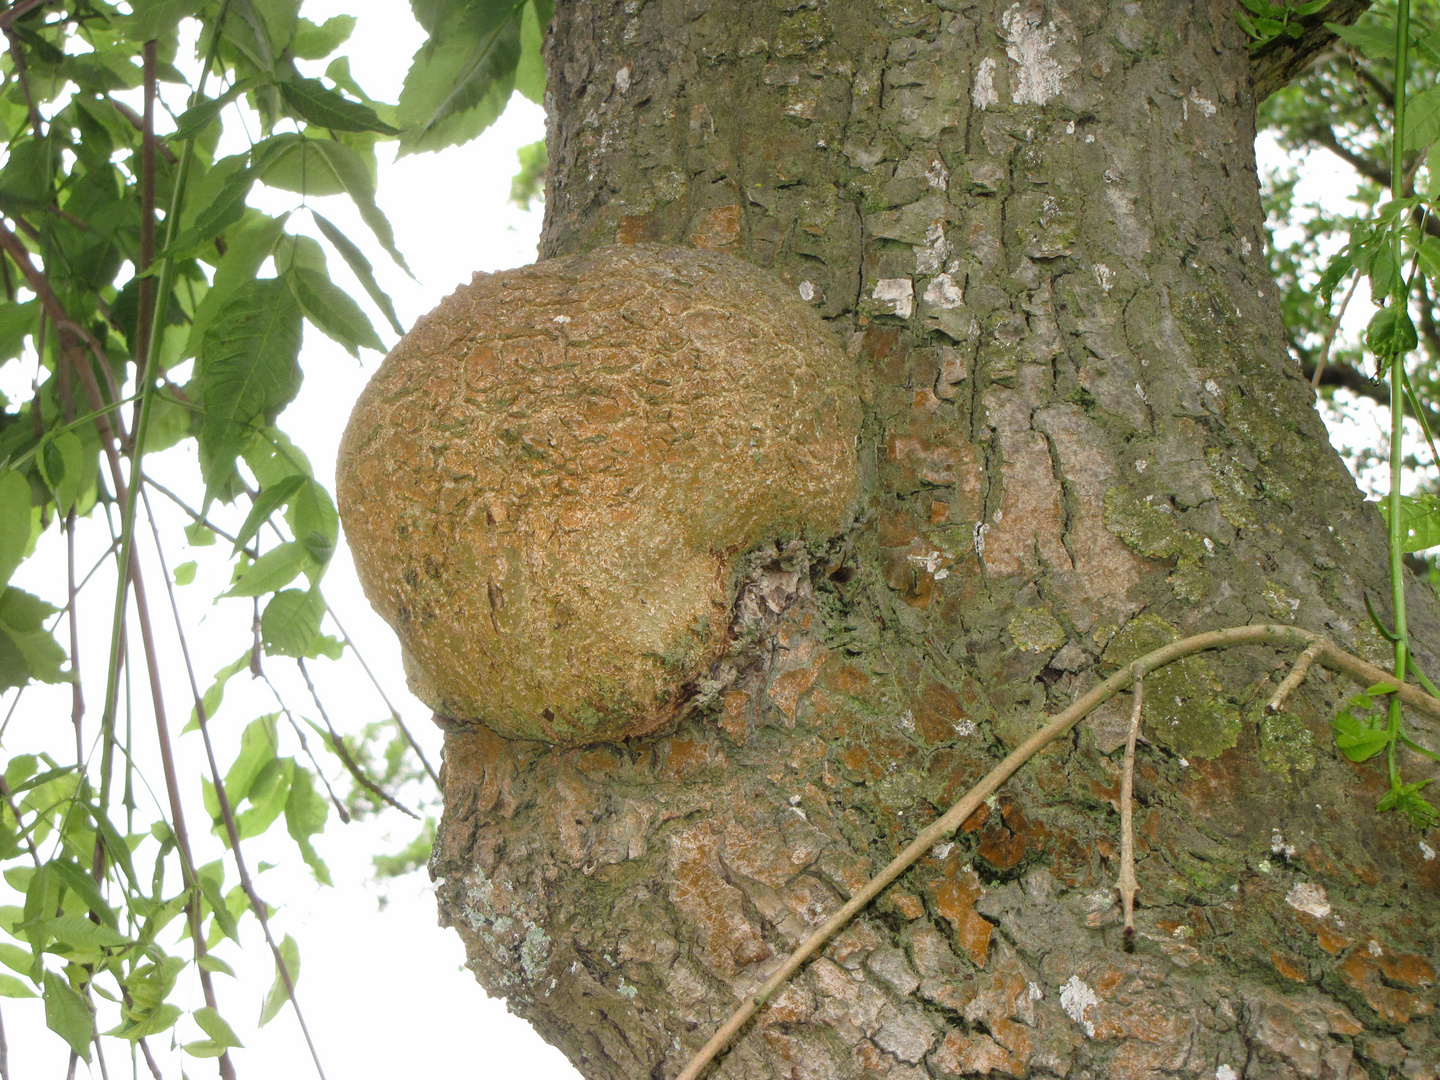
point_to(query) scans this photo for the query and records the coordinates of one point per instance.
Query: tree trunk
(1036, 229)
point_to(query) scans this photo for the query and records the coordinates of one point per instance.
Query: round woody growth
(547, 480)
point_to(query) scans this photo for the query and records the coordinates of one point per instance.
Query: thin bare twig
(1330, 333)
(1294, 679)
(1127, 884)
(1361, 671)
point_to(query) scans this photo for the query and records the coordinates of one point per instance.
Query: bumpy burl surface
(547, 480)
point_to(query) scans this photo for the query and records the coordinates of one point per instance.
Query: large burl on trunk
(1035, 229)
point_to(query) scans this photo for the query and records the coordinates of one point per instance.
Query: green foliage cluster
(1373, 102)
(151, 305)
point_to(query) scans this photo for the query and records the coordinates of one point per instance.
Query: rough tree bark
(1037, 230)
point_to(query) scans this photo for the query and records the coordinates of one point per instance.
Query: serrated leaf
(313, 102)
(273, 571)
(248, 370)
(246, 249)
(67, 1015)
(1374, 42)
(214, 1025)
(1422, 119)
(290, 626)
(15, 521)
(333, 312)
(290, 954)
(12, 987)
(194, 120)
(1390, 334)
(313, 42)
(360, 267)
(460, 80)
(355, 178)
(270, 499)
(227, 208)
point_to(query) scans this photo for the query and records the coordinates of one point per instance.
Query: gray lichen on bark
(1036, 230)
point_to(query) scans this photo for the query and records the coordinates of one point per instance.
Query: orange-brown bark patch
(954, 897)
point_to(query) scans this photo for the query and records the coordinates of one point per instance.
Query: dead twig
(1127, 884)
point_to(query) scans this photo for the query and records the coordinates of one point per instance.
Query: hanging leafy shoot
(1374, 103)
(146, 304)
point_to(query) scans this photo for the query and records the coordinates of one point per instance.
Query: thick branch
(1277, 62)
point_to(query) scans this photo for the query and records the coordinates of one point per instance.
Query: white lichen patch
(1226, 1072)
(1205, 105)
(964, 728)
(1278, 846)
(1427, 852)
(1105, 276)
(1212, 387)
(1373, 948)
(982, 92)
(807, 291)
(943, 293)
(937, 175)
(1309, 898)
(1075, 998)
(940, 851)
(931, 255)
(1029, 41)
(897, 292)
(622, 79)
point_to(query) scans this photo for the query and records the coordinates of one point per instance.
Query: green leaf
(17, 959)
(257, 750)
(313, 102)
(27, 649)
(530, 69)
(151, 19)
(313, 42)
(67, 1015)
(360, 267)
(331, 309)
(1356, 740)
(246, 249)
(305, 816)
(460, 80)
(1422, 119)
(61, 462)
(140, 1024)
(1407, 801)
(211, 962)
(17, 322)
(25, 181)
(1419, 521)
(1390, 334)
(12, 987)
(273, 570)
(270, 499)
(194, 120)
(210, 890)
(227, 208)
(215, 694)
(15, 522)
(1374, 42)
(184, 574)
(529, 183)
(249, 370)
(314, 521)
(352, 174)
(290, 626)
(267, 796)
(214, 1025)
(278, 995)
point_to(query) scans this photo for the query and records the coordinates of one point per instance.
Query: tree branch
(1278, 61)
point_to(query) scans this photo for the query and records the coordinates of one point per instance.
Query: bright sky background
(384, 991)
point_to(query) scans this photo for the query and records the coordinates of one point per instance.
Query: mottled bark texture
(1036, 230)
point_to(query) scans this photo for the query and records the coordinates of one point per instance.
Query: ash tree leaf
(360, 267)
(14, 521)
(249, 369)
(1390, 333)
(313, 102)
(268, 795)
(151, 19)
(330, 308)
(194, 120)
(269, 500)
(1422, 119)
(1374, 42)
(17, 322)
(214, 1025)
(27, 649)
(355, 178)
(142, 1023)
(461, 78)
(290, 954)
(290, 626)
(314, 521)
(211, 962)
(312, 42)
(305, 814)
(215, 693)
(12, 987)
(247, 248)
(257, 749)
(67, 1015)
(274, 570)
